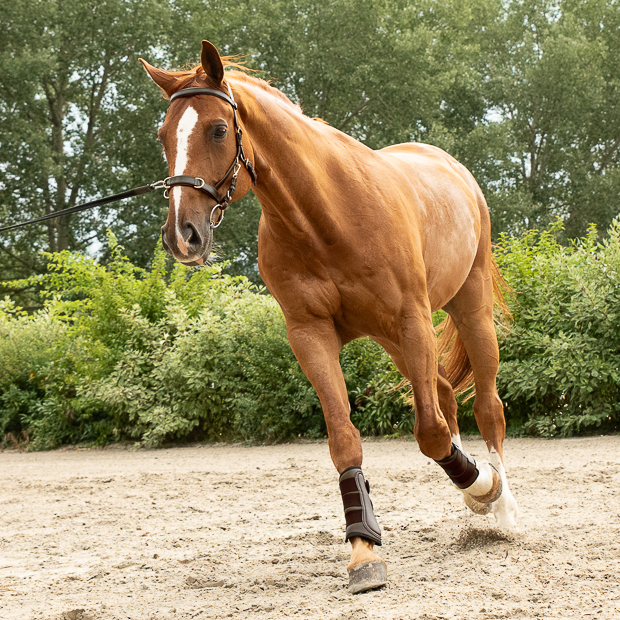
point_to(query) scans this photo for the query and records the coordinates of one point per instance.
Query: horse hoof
(476, 507)
(367, 576)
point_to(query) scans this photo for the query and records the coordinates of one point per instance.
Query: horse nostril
(194, 239)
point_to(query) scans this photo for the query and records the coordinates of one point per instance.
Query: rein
(182, 180)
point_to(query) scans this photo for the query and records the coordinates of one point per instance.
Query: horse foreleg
(317, 346)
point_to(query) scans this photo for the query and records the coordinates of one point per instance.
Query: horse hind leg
(448, 405)
(480, 483)
(472, 312)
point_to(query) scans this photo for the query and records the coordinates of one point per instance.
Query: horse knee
(433, 436)
(345, 445)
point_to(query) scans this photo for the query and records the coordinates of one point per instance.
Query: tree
(77, 119)
(553, 89)
(525, 93)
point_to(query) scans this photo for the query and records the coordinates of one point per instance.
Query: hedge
(175, 354)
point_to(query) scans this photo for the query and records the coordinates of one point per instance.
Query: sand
(228, 531)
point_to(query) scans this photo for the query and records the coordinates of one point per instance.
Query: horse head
(201, 136)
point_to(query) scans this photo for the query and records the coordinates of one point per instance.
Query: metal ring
(211, 222)
(167, 192)
(202, 183)
(159, 184)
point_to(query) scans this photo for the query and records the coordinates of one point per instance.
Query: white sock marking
(505, 509)
(483, 482)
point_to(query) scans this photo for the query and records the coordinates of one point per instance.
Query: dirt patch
(228, 531)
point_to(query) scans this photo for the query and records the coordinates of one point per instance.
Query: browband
(200, 90)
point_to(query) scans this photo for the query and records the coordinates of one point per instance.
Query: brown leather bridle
(240, 158)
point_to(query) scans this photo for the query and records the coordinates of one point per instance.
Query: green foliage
(377, 391)
(41, 367)
(157, 355)
(76, 110)
(552, 85)
(559, 373)
(226, 373)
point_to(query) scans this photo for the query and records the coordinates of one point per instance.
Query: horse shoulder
(296, 277)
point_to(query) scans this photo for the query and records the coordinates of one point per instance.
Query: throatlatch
(460, 467)
(358, 510)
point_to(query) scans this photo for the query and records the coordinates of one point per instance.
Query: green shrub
(29, 347)
(174, 353)
(225, 373)
(559, 371)
(376, 389)
(160, 355)
(40, 368)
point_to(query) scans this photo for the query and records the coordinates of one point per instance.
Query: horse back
(405, 217)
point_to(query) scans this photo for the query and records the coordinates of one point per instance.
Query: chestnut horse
(352, 242)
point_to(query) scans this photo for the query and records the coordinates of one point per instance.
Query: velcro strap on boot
(460, 467)
(358, 509)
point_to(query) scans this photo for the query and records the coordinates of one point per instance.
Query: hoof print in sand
(77, 614)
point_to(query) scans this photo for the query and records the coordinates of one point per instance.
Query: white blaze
(184, 131)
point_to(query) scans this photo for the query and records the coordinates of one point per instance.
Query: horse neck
(304, 166)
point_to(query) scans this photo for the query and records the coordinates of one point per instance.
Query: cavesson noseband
(240, 158)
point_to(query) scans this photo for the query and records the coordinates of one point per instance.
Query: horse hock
(479, 482)
(362, 530)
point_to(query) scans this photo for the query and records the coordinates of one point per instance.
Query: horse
(352, 243)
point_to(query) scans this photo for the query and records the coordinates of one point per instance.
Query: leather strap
(194, 182)
(145, 189)
(199, 90)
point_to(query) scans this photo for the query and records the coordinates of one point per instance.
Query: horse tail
(452, 354)
(453, 357)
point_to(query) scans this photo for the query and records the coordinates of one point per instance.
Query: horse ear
(211, 62)
(162, 78)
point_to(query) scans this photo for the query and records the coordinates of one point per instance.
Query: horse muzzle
(189, 243)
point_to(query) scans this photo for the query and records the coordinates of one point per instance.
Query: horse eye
(220, 132)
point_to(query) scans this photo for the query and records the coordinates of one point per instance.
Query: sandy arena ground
(257, 532)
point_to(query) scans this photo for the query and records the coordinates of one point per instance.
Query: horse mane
(195, 76)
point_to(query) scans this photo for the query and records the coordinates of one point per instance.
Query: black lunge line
(145, 189)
